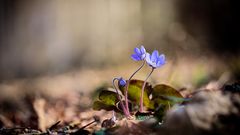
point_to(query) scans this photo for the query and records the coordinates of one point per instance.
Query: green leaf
(107, 101)
(98, 105)
(164, 94)
(134, 92)
(161, 111)
(108, 97)
(164, 97)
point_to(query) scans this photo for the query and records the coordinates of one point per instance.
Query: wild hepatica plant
(133, 97)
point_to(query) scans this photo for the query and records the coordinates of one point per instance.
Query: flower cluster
(154, 60)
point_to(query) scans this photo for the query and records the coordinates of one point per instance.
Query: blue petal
(154, 56)
(159, 64)
(143, 50)
(135, 57)
(137, 51)
(162, 59)
(148, 58)
(143, 56)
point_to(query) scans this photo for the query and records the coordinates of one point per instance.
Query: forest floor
(62, 103)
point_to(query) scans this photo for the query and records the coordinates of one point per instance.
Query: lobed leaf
(164, 94)
(164, 97)
(161, 111)
(108, 97)
(98, 105)
(107, 101)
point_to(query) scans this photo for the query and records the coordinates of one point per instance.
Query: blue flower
(155, 60)
(140, 54)
(121, 81)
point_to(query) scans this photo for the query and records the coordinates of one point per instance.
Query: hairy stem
(126, 113)
(142, 92)
(127, 86)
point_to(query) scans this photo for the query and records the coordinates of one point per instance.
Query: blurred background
(54, 54)
(73, 42)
